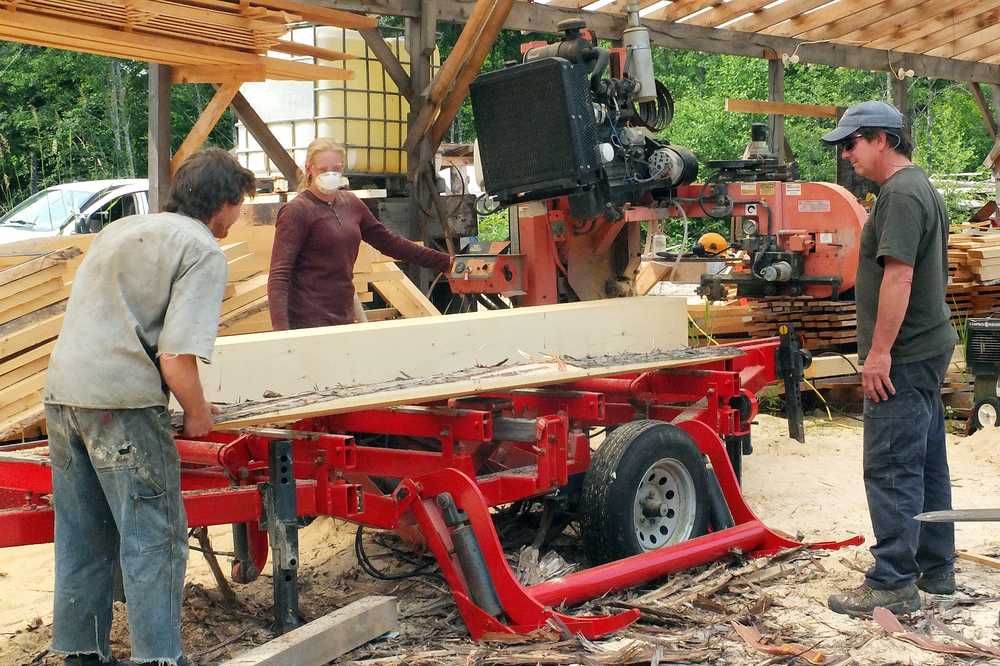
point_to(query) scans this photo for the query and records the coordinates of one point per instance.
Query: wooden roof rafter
(204, 40)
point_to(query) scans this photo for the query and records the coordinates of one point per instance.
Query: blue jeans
(906, 473)
(116, 493)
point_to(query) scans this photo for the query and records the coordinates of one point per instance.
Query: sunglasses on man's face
(848, 143)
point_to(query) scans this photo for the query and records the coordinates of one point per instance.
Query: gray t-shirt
(149, 285)
(909, 222)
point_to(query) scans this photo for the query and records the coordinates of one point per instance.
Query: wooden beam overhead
(725, 12)
(324, 15)
(536, 17)
(217, 73)
(391, 64)
(770, 16)
(966, 43)
(827, 15)
(783, 108)
(984, 109)
(910, 19)
(681, 8)
(295, 48)
(928, 25)
(953, 32)
(857, 20)
(983, 52)
(266, 139)
(206, 122)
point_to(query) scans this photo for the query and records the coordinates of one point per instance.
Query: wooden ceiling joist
(770, 16)
(858, 20)
(931, 23)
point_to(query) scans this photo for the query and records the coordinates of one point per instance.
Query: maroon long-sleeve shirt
(312, 263)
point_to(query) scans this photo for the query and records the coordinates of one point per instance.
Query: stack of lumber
(821, 324)
(723, 321)
(33, 296)
(974, 267)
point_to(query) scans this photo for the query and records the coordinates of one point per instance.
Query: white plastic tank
(367, 113)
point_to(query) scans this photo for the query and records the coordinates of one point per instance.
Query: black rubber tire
(617, 471)
(979, 421)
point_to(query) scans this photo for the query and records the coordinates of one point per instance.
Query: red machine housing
(556, 255)
(234, 477)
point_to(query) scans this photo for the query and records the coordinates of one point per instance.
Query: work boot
(938, 583)
(88, 660)
(862, 601)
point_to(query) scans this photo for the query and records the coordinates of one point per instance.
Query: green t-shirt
(908, 223)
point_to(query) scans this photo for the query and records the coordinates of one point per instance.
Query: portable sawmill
(571, 151)
(566, 139)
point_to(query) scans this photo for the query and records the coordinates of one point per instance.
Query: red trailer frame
(265, 480)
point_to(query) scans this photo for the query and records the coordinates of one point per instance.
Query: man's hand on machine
(200, 421)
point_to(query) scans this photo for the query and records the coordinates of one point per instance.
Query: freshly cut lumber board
(455, 384)
(417, 360)
(301, 360)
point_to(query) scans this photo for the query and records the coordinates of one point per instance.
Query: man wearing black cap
(905, 341)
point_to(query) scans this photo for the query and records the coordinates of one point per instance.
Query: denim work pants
(116, 493)
(906, 473)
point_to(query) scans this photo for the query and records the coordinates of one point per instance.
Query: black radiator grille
(982, 346)
(535, 126)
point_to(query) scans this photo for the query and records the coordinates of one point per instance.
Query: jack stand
(283, 530)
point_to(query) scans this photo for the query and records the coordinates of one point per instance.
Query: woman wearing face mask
(316, 243)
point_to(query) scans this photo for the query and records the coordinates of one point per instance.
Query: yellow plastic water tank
(366, 113)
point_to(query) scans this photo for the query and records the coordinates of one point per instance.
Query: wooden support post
(776, 93)
(373, 38)
(159, 136)
(901, 98)
(323, 640)
(984, 109)
(206, 122)
(272, 147)
(995, 94)
(456, 96)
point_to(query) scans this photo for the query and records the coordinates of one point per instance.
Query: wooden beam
(783, 108)
(912, 31)
(217, 73)
(470, 70)
(291, 362)
(952, 34)
(268, 142)
(855, 20)
(984, 109)
(206, 122)
(391, 64)
(822, 16)
(323, 640)
(295, 48)
(776, 94)
(400, 292)
(445, 77)
(770, 16)
(901, 98)
(317, 13)
(159, 136)
(543, 18)
(897, 24)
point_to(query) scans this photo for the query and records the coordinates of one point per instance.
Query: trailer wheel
(646, 488)
(986, 414)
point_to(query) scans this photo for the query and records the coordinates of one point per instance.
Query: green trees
(68, 116)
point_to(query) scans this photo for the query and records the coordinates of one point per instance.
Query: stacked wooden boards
(974, 268)
(32, 302)
(821, 324)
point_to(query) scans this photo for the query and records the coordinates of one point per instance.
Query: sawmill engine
(554, 125)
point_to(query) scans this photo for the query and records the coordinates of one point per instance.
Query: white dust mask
(329, 182)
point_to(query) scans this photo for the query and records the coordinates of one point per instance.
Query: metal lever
(790, 362)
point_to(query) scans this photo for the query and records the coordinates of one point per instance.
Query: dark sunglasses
(848, 144)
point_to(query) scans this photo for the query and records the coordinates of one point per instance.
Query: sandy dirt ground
(812, 490)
